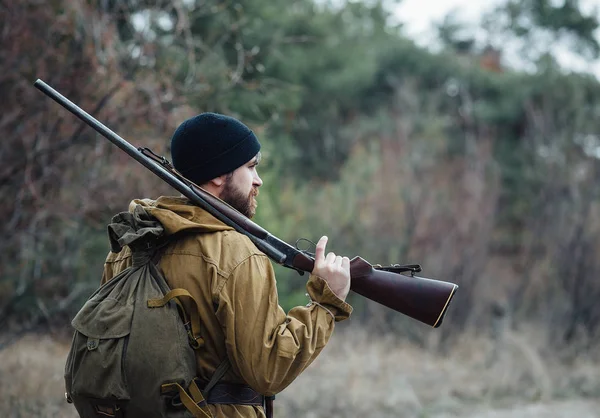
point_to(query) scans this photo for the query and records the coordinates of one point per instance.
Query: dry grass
(31, 379)
(356, 376)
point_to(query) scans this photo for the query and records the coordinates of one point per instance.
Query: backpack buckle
(195, 342)
(111, 411)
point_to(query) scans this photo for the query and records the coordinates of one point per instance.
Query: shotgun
(425, 300)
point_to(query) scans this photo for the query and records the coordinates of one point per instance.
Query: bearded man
(232, 281)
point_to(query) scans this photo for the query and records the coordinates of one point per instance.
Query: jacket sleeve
(266, 347)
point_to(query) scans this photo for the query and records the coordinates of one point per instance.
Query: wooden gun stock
(425, 300)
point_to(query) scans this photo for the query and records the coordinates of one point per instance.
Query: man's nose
(257, 180)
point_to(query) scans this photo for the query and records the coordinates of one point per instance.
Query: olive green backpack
(133, 349)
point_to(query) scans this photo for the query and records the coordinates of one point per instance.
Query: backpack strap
(217, 375)
(191, 323)
(193, 401)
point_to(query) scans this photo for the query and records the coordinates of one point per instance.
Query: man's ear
(218, 182)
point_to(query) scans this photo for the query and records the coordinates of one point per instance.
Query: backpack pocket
(94, 371)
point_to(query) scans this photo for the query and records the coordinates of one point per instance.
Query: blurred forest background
(484, 173)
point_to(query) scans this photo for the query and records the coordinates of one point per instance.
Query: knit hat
(210, 145)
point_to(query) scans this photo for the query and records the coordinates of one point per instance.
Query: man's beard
(246, 204)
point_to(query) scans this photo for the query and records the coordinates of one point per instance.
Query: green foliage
(55, 276)
(525, 18)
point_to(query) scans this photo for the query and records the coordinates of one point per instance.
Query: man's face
(241, 187)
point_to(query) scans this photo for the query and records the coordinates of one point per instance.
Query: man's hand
(334, 269)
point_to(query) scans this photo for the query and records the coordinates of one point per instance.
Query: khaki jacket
(234, 285)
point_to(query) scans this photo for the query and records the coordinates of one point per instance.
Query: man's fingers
(345, 263)
(320, 250)
(330, 259)
(338, 261)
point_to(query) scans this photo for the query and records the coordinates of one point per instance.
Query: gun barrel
(110, 135)
(187, 188)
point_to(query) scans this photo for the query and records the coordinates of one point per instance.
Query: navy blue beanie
(210, 145)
